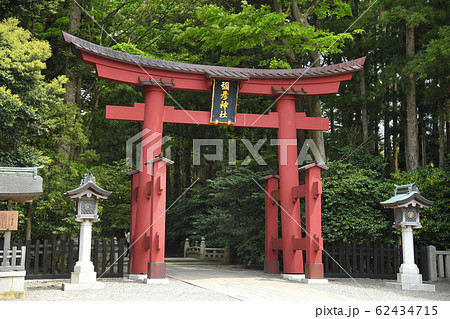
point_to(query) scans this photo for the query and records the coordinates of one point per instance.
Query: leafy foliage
(115, 211)
(434, 185)
(25, 97)
(230, 210)
(350, 204)
(237, 34)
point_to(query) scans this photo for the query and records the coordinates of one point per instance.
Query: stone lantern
(87, 195)
(406, 203)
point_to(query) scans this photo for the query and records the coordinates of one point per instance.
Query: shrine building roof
(20, 184)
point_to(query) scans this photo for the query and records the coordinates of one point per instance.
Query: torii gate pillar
(313, 195)
(271, 263)
(151, 146)
(155, 242)
(288, 172)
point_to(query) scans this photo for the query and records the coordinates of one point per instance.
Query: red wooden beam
(171, 115)
(276, 195)
(277, 244)
(300, 244)
(127, 113)
(315, 243)
(298, 192)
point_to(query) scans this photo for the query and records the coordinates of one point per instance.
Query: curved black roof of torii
(213, 71)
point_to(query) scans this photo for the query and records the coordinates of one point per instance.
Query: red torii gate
(148, 185)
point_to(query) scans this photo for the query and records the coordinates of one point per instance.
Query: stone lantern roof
(20, 184)
(405, 195)
(88, 187)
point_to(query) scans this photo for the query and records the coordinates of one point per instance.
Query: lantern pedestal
(409, 277)
(84, 276)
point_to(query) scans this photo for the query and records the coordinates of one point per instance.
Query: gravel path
(200, 282)
(121, 290)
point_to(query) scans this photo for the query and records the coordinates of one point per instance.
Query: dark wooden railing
(380, 261)
(53, 260)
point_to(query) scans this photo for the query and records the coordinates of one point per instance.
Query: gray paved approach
(254, 285)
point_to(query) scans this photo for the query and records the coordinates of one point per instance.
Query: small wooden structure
(17, 185)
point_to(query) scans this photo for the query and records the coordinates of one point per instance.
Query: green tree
(27, 100)
(34, 120)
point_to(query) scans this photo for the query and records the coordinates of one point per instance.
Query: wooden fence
(52, 260)
(206, 253)
(381, 261)
(13, 259)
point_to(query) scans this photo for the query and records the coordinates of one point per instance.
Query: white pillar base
(409, 278)
(157, 281)
(83, 277)
(409, 269)
(314, 281)
(71, 286)
(137, 277)
(293, 277)
(409, 274)
(83, 266)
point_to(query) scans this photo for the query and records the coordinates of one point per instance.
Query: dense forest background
(389, 124)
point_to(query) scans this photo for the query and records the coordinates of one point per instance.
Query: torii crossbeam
(149, 193)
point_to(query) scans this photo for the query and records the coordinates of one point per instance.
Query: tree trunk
(395, 129)
(447, 123)
(74, 27)
(441, 137)
(315, 108)
(28, 225)
(364, 117)
(361, 91)
(412, 134)
(178, 163)
(187, 164)
(71, 87)
(387, 139)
